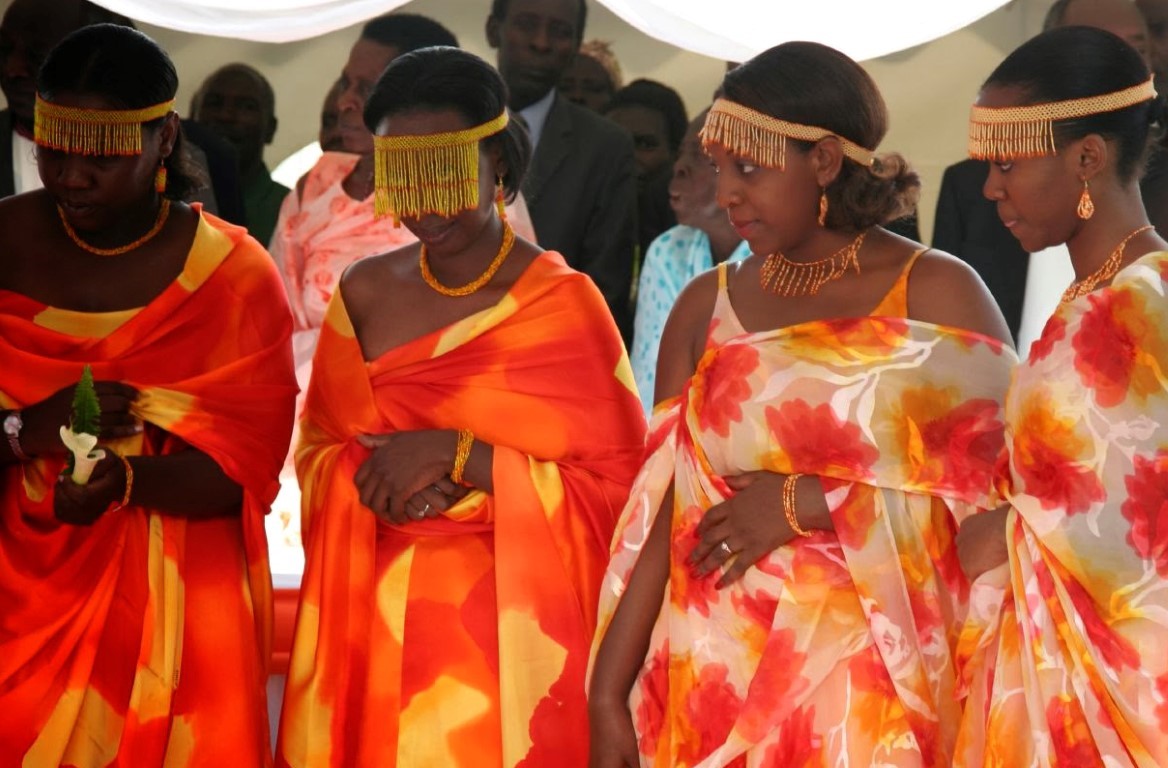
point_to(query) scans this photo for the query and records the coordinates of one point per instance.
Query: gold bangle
(789, 505)
(461, 454)
(129, 483)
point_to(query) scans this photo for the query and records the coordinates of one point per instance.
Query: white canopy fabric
(733, 30)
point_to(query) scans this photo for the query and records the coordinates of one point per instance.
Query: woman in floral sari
(1063, 655)
(783, 589)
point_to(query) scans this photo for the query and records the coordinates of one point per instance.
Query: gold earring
(1086, 207)
(500, 203)
(160, 179)
(822, 207)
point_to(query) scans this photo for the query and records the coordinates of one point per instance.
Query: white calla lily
(85, 458)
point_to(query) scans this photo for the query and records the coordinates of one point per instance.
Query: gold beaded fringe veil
(93, 131)
(1004, 133)
(432, 173)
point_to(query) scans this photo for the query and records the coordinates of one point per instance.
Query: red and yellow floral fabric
(1064, 656)
(835, 649)
(142, 640)
(463, 640)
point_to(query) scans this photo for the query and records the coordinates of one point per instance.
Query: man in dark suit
(581, 188)
(968, 227)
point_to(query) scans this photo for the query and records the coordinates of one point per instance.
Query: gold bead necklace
(1106, 271)
(163, 212)
(784, 277)
(478, 282)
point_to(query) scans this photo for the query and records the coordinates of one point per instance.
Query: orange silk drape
(463, 640)
(143, 638)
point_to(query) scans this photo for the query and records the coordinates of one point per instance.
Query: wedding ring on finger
(726, 549)
(425, 509)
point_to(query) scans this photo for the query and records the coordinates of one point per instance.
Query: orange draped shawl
(1064, 654)
(142, 639)
(834, 649)
(463, 640)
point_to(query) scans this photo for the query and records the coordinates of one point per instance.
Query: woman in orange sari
(1063, 655)
(134, 610)
(470, 434)
(783, 589)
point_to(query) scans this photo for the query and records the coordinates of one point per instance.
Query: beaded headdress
(430, 173)
(1006, 133)
(93, 131)
(763, 139)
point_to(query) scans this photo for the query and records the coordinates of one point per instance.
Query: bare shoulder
(366, 283)
(944, 290)
(684, 337)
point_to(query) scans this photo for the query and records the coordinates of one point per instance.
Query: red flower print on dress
(1116, 340)
(798, 745)
(777, 681)
(1162, 701)
(711, 706)
(1055, 330)
(720, 386)
(1146, 508)
(1044, 459)
(818, 442)
(948, 444)
(687, 591)
(1069, 735)
(654, 688)
(1115, 649)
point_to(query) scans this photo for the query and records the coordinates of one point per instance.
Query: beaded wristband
(789, 505)
(129, 483)
(461, 454)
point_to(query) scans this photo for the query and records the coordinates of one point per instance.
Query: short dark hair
(451, 78)
(267, 95)
(661, 99)
(1077, 62)
(813, 84)
(407, 32)
(499, 10)
(131, 71)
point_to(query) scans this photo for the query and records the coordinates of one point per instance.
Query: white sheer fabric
(733, 30)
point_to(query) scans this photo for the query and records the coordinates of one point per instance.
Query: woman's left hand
(745, 528)
(403, 464)
(84, 504)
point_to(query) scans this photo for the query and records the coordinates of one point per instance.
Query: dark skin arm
(188, 483)
(622, 652)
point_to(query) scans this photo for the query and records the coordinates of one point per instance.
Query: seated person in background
(595, 75)
(237, 103)
(702, 238)
(654, 115)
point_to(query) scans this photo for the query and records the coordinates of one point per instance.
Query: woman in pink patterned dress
(783, 589)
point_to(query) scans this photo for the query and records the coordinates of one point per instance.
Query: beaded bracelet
(129, 483)
(789, 505)
(461, 454)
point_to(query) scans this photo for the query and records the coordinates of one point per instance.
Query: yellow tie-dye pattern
(443, 708)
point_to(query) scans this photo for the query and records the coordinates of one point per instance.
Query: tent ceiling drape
(733, 30)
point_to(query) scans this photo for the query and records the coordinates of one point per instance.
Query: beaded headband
(763, 138)
(93, 131)
(1005, 133)
(431, 173)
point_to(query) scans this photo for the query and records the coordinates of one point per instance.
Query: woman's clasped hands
(407, 476)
